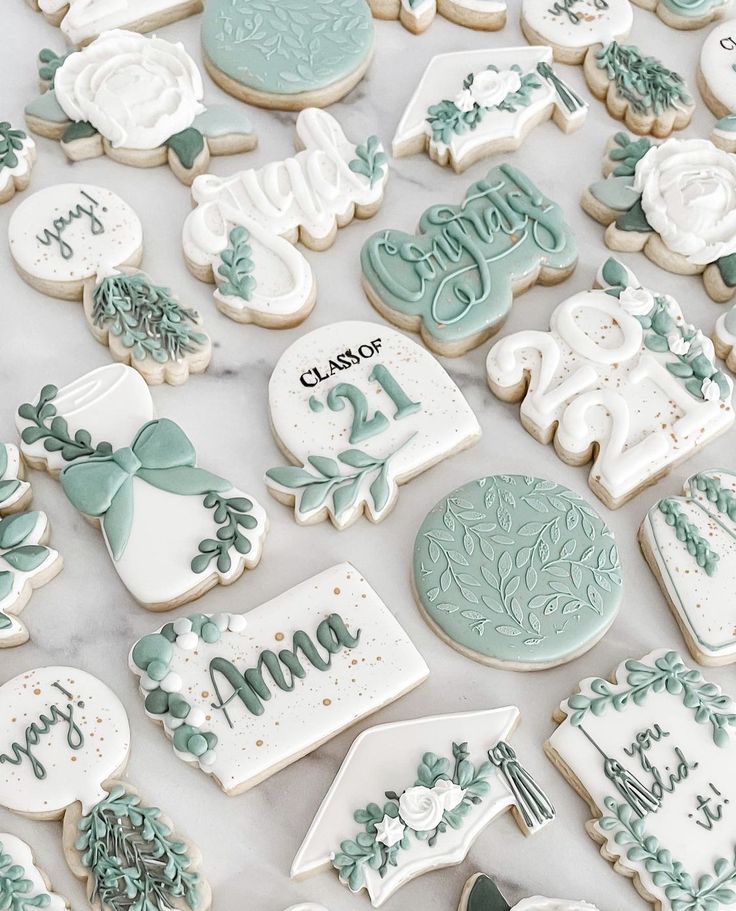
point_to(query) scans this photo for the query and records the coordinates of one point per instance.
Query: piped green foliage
(236, 266)
(370, 161)
(647, 85)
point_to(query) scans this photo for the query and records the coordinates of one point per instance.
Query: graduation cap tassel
(637, 795)
(569, 98)
(531, 801)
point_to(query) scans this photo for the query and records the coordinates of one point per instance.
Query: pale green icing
(285, 47)
(730, 321)
(458, 272)
(692, 8)
(223, 120)
(616, 193)
(517, 570)
(46, 107)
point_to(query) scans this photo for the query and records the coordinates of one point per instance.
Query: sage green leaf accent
(6, 583)
(76, 131)
(46, 425)
(236, 266)
(14, 882)
(8, 489)
(187, 145)
(11, 142)
(27, 557)
(647, 85)
(616, 193)
(370, 161)
(15, 529)
(615, 273)
(233, 516)
(628, 153)
(687, 532)
(634, 220)
(48, 63)
(727, 269)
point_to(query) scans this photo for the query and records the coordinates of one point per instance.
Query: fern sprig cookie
(137, 100)
(418, 15)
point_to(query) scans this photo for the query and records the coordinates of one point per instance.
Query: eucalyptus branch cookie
(65, 740)
(287, 54)
(686, 14)
(82, 242)
(23, 885)
(418, 15)
(480, 893)
(717, 82)
(455, 280)
(17, 156)
(137, 100)
(139, 479)
(82, 20)
(492, 99)
(621, 378)
(676, 202)
(572, 27)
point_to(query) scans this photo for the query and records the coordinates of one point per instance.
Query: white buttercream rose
(490, 87)
(677, 344)
(710, 390)
(136, 91)
(464, 101)
(688, 194)
(421, 808)
(451, 793)
(637, 301)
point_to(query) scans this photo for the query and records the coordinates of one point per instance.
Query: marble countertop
(86, 617)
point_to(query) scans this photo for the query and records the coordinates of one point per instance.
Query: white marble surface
(86, 617)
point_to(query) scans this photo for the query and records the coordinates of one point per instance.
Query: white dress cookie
(360, 409)
(690, 544)
(137, 100)
(244, 695)
(652, 754)
(17, 156)
(674, 201)
(418, 15)
(620, 378)
(439, 780)
(78, 241)
(172, 528)
(65, 737)
(481, 894)
(470, 104)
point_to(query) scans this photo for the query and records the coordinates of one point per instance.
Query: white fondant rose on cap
(688, 192)
(490, 87)
(136, 91)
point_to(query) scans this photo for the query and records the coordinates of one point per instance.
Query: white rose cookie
(572, 27)
(23, 885)
(287, 54)
(439, 781)
(332, 632)
(137, 100)
(172, 529)
(17, 156)
(65, 739)
(620, 378)
(470, 104)
(686, 14)
(240, 233)
(651, 751)
(360, 409)
(676, 202)
(418, 15)
(82, 20)
(480, 893)
(717, 82)
(689, 543)
(82, 242)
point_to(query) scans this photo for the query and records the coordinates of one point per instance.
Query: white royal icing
(312, 192)
(444, 78)
(717, 58)
(590, 22)
(537, 903)
(21, 855)
(136, 91)
(380, 668)
(593, 379)
(313, 417)
(26, 156)
(85, 19)
(9, 500)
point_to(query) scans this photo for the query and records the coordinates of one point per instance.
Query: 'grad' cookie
(360, 409)
(287, 54)
(676, 202)
(418, 15)
(454, 281)
(470, 104)
(172, 528)
(690, 545)
(717, 82)
(620, 378)
(78, 241)
(137, 100)
(481, 894)
(17, 156)
(517, 572)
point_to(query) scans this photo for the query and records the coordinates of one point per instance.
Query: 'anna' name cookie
(418, 15)
(517, 572)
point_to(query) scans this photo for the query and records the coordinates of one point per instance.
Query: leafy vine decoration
(9, 485)
(53, 429)
(687, 532)
(236, 266)
(232, 514)
(15, 886)
(370, 161)
(11, 142)
(644, 82)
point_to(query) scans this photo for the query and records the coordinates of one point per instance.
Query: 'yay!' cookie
(78, 241)
(360, 409)
(137, 100)
(172, 528)
(65, 739)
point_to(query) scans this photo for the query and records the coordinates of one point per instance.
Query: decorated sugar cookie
(717, 82)
(413, 796)
(517, 572)
(360, 409)
(65, 739)
(244, 695)
(482, 894)
(15, 492)
(287, 54)
(137, 100)
(690, 544)
(620, 378)
(241, 231)
(78, 241)
(686, 14)
(454, 281)
(652, 754)
(675, 202)
(172, 529)
(724, 338)
(82, 20)
(23, 885)
(572, 27)
(471, 104)
(17, 156)
(418, 15)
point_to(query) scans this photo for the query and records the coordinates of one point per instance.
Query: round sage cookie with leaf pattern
(517, 572)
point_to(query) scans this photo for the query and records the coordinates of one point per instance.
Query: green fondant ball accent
(197, 745)
(151, 648)
(210, 633)
(178, 706)
(157, 702)
(182, 736)
(211, 739)
(198, 621)
(157, 670)
(168, 632)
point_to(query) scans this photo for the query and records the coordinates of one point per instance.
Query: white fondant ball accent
(182, 625)
(147, 683)
(187, 642)
(173, 723)
(171, 683)
(220, 621)
(207, 758)
(236, 623)
(196, 718)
